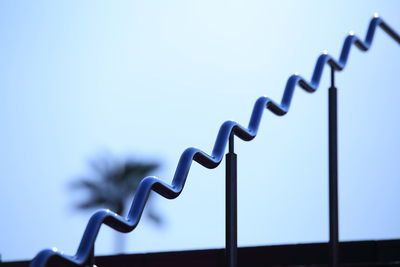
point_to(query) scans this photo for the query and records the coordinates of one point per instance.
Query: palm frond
(113, 183)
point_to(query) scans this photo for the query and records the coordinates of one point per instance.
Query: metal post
(90, 260)
(333, 175)
(231, 206)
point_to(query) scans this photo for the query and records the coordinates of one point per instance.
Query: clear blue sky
(149, 79)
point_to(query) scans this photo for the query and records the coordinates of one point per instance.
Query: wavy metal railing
(86, 247)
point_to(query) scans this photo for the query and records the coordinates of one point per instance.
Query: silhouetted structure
(364, 253)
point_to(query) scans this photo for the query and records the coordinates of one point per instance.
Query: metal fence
(227, 132)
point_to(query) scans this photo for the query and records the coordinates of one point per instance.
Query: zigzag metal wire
(210, 161)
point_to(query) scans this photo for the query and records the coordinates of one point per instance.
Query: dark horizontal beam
(366, 253)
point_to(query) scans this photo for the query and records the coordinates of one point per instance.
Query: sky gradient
(147, 79)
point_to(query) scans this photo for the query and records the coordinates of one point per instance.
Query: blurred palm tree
(112, 186)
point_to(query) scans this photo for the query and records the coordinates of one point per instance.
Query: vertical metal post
(231, 206)
(90, 260)
(333, 175)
